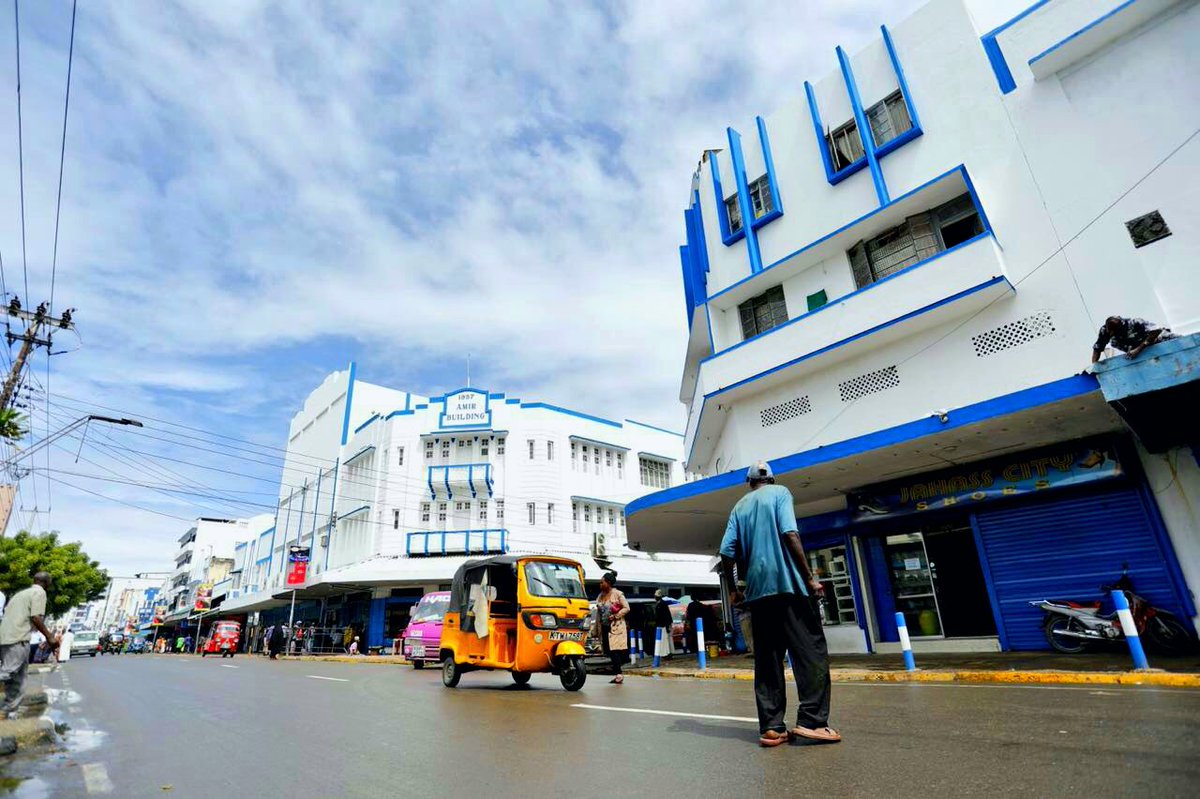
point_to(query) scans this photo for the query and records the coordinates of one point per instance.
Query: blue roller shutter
(1068, 549)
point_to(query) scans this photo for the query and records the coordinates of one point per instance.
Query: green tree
(12, 424)
(77, 578)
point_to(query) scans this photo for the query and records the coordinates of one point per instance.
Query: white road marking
(95, 778)
(331, 679)
(227, 667)
(668, 713)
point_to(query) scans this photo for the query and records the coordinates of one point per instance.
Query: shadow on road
(744, 733)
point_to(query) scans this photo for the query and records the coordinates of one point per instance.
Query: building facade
(893, 285)
(210, 542)
(386, 493)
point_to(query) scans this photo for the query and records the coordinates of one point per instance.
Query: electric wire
(62, 155)
(21, 146)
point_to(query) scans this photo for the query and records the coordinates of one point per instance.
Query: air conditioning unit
(324, 541)
(599, 545)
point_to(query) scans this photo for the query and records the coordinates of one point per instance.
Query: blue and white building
(390, 492)
(893, 283)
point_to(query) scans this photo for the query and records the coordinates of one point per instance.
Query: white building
(902, 326)
(210, 539)
(389, 492)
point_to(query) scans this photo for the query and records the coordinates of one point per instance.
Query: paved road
(250, 727)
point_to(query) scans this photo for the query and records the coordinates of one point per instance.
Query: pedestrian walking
(611, 610)
(762, 540)
(275, 641)
(663, 622)
(24, 613)
(65, 639)
(179, 644)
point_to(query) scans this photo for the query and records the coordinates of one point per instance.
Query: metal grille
(1013, 334)
(870, 383)
(1147, 229)
(784, 411)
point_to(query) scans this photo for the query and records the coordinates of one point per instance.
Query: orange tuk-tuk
(222, 639)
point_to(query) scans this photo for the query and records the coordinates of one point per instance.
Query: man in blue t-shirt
(762, 540)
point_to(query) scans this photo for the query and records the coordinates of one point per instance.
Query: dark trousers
(782, 625)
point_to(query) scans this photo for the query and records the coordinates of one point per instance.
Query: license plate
(418, 651)
(559, 635)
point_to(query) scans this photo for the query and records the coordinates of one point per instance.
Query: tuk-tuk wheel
(521, 677)
(451, 673)
(203, 653)
(573, 674)
(418, 664)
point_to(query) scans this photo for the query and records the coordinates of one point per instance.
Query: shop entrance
(937, 582)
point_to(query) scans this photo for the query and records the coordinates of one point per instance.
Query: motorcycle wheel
(1060, 643)
(1169, 636)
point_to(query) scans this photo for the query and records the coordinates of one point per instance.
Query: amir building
(893, 285)
(388, 493)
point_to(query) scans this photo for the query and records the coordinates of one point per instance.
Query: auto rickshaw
(222, 639)
(520, 613)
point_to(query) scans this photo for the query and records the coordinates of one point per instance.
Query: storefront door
(962, 598)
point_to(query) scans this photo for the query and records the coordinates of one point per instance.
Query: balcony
(948, 286)
(456, 542)
(460, 480)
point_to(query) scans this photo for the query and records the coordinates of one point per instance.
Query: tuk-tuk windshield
(553, 579)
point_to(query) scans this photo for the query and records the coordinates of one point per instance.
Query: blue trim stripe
(359, 509)
(1094, 23)
(714, 169)
(374, 418)
(864, 128)
(764, 141)
(356, 456)
(834, 178)
(900, 78)
(743, 193)
(1065, 388)
(569, 412)
(349, 402)
(652, 427)
(991, 48)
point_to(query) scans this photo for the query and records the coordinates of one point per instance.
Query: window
(734, 211)
(889, 118)
(543, 578)
(395, 519)
(428, 450)
(845, 146)
(484, 447)
(574, 455)
(612, 516)
(622, 518)
(462, 442)
(499, 510)
(500, 445)
(441, 511)
(655, 473)
(620, 464)
(446, 448)
(575, 517)
(532, 508)
(760, 314)
(585, 455)
(483, 503)
(919, 237)
(400, 456)
(531, 449)
(549, 513)
(462, 506)
(587, 513)
(608, 459)
(762, 202)
(549, 450)
(424, 511)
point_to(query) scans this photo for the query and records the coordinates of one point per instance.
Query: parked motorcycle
(1071, 626)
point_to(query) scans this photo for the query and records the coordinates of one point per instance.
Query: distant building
(893, 284)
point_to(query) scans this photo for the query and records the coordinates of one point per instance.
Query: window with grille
(845, 146)
(620, 464)
(919, 237)
(461, 506)
(760, 314)
(531, 449)
(549, 450)
(500, 445)
(428, 450)
(483, 510)
(889, 118)
(612, 517)
(400, 456)
(446, 448)
(587, 513)
(733, 210)
(424, 511)
(575, 516)
(608, 459)
(549, 513)
(585, 455)
(485, 447)
(762, 201)
(870, 383)
(655, 473)
(622, 518)
(784, 411)
(1013, 334)
(532, 508)
(574, 454)
(395, 519)
(499, 510)
(441, 511)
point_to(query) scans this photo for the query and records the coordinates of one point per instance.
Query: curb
(1152, 677)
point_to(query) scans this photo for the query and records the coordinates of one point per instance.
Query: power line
(62, 157)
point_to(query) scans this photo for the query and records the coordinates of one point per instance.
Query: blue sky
(256, 193)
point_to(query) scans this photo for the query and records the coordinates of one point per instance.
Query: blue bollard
(905, 644)
(632, 646)
(700, 653)
(657, 646)
(1131, 634)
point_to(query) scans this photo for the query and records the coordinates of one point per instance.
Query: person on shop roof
(1131, 336)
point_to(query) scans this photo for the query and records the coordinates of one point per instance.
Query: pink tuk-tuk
(423, 636)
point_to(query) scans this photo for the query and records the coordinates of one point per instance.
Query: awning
(644, 571)
(249, 603)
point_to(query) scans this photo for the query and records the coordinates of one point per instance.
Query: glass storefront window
(912, 584)
(831, 566)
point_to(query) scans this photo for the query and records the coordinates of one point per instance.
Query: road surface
(183, 726)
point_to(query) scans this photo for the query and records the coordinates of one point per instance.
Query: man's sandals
(818, 735)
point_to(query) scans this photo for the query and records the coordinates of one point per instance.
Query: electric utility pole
(35, 324)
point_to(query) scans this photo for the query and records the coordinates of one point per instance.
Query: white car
(86, 642)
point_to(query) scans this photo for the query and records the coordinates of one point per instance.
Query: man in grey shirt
(23, 613)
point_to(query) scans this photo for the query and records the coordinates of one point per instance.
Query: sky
(255, 194)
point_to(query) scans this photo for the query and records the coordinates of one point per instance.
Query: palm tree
(12, 424)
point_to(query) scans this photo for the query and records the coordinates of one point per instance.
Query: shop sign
(466, 408)
(297, 565)
(1021, 474)
(160, 613)
(204, 597)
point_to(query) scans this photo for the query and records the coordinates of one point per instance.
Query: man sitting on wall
(1129, 335)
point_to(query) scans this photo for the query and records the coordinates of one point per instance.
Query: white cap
(759, 471)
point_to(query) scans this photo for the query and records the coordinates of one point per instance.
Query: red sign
(297, 565)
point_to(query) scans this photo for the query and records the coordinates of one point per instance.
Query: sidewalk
(1107, 668)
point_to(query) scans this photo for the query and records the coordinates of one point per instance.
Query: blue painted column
(743, 193)
(375, 629)
(864, 128)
